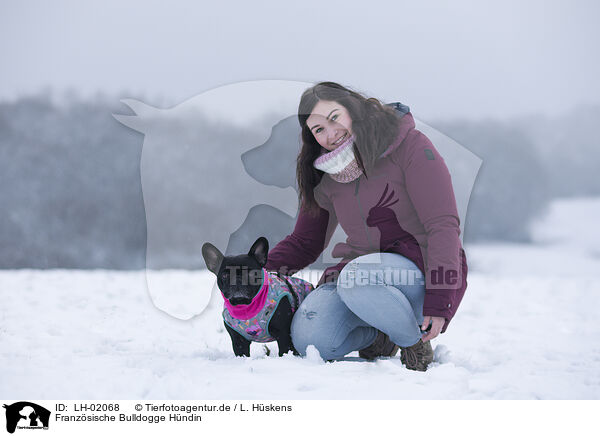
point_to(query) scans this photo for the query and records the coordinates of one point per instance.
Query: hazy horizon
(461, 60)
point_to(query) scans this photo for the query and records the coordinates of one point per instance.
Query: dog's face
(238, 277)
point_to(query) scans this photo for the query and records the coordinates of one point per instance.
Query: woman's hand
(437, 322)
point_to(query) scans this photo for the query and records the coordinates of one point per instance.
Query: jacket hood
(406, 124)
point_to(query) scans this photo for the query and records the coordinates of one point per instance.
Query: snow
(572, 223)
(526, 329)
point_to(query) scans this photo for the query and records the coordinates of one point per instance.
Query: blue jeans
(377, 291)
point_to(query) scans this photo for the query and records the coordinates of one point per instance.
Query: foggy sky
(462, 58)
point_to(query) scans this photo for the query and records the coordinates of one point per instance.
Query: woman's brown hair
(374, 126)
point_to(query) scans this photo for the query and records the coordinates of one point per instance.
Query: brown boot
(382, 346)
(417, 357)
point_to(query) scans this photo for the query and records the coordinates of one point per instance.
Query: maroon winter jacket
(406, 206)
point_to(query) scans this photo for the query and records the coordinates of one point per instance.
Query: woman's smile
(340, 140)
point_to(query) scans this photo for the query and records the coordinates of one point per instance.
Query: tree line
(71, 195)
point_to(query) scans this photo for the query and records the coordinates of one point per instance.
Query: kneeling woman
(403, 270)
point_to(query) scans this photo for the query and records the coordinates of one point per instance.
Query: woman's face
(330, 124)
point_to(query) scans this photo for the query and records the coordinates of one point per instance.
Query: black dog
(256, 307)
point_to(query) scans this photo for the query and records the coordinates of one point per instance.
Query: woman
(403, 270)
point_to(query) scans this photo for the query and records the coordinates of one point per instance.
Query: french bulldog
(259, 305)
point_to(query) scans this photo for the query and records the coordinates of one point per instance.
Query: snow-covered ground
(526, 329)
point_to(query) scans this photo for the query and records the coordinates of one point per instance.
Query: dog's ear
(212, 256)
(259, 250)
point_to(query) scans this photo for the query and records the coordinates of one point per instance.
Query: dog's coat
(256, 325)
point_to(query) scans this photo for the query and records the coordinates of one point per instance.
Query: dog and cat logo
(26, 415)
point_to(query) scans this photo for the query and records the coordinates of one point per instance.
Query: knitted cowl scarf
(340, 163)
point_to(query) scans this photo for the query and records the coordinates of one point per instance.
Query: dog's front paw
(242, 354)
